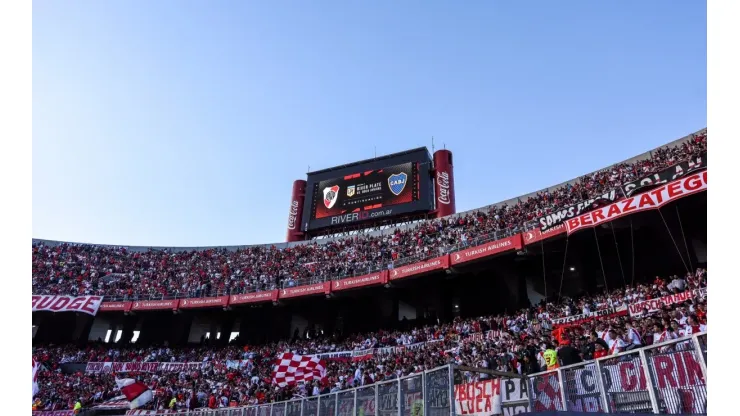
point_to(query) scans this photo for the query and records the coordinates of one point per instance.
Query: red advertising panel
(372, 279)
(438, 263)
(537, 235)
(255, 297)
(115, 306)
(220, 301)
(444, 183)
(485, 250)
(654, 199)
(155, 305)
(52, 303)
(314, 289)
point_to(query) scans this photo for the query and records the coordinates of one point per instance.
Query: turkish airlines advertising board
(155, 305)
(219, 301)
(51, 303)
(537, 235)
(438, 263)
(254, 297)
(372, 279)
(488, 249)
(115, 306)
(314, 289)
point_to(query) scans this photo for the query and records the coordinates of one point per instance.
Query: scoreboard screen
(367, 191)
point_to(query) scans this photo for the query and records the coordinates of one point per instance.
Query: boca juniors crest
(397, 182)
(330, 196)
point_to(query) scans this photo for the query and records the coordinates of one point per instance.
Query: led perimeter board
(372, 189)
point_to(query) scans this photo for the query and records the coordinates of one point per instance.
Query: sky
(185, 123)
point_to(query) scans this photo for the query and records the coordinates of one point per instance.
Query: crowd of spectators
(521, 346)
(71, 269)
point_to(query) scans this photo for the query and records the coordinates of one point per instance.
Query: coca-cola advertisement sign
(293, 214)
(443, 181)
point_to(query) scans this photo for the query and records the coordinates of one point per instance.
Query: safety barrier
(666, 378)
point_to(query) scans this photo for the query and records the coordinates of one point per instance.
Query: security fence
(666, 378)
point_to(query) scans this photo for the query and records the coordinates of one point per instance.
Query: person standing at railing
(551, 357)
(597, 347)
(568, 354)
(633, 338)
(615, 342)
(660, 333)
(694, 326)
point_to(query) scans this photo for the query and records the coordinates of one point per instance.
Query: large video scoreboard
(369, 190)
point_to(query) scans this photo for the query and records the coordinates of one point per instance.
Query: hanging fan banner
(653, 199)
(558, 217)
(695, 163)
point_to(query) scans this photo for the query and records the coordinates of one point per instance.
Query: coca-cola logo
(443, 187)
(293, 215)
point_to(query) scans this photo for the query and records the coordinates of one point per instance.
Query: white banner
(585, 317)
(51, 303)
(153, 367)
(480, 398)
(638, 309)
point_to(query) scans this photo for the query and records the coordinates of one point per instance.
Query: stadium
(587, 296)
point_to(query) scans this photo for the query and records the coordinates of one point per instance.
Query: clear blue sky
(185, 122)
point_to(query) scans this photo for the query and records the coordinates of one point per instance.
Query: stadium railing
(665, 378)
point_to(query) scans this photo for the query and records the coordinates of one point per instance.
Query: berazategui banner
(689, 185)
(672, 173)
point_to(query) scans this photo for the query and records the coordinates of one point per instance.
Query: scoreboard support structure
(432, 180)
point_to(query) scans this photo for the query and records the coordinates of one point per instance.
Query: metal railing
(426, 393)
(666, 378)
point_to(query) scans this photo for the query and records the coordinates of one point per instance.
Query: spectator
(568, 354)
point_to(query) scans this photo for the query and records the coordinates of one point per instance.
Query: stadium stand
(240, 375)
(118, 273)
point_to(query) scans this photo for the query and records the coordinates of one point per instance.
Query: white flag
(137, 393)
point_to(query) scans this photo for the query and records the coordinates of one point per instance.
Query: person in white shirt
(358, 376)
(677, 284)
(633, 337)
(586, 308)
(694, 327)
(660, 334)
(616, 343)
